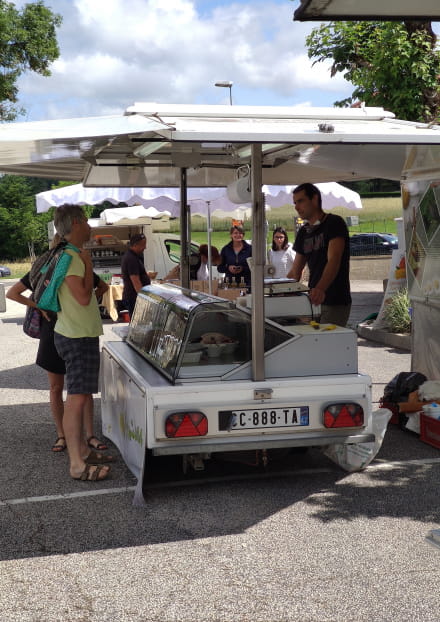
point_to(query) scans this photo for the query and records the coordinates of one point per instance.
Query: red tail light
(344, 415)
(186, 424)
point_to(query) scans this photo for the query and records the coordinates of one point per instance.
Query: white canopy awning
(368, 10)
(150, 144)
(112, 215)
(206, 146)
(168, 199)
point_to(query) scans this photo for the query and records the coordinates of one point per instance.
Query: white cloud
(115, 52)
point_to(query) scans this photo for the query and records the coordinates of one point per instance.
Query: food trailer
(181, 383)
(155, 145)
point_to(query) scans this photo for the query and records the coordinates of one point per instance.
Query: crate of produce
(430, 430)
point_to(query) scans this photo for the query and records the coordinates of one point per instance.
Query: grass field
(18, 268)
(376, 215)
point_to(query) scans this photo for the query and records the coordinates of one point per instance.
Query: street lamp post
(226, 84)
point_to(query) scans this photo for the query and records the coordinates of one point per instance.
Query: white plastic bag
(413, 423)
(355, 457)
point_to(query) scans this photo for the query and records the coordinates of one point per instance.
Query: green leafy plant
(390, 64)
(396, 313)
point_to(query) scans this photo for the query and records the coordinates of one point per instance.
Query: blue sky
(116, 52)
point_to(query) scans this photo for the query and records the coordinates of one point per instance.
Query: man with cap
(133, 271)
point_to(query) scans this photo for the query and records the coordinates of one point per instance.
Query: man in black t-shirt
(133, 271)
(323, 244)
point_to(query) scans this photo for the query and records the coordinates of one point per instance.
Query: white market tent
(368, 10)
(112, 215)
(170, 145)
(151, 144)
(167, 199)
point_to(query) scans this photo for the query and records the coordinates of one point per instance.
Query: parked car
(5, 271)
(373, 244)
(392, 238)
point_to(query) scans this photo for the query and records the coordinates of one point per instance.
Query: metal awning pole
(258, 258)
(208, 225)
(184, 231)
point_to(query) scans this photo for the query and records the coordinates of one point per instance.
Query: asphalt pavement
(314, 544)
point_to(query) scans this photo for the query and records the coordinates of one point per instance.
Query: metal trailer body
(136, 400)
(151, 377)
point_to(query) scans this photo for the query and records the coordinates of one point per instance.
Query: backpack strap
(49, 298)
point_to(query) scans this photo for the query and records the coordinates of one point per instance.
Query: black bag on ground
(399, 388)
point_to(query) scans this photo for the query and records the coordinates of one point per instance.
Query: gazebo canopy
(335, 10)
(152, 143)
(168, 199)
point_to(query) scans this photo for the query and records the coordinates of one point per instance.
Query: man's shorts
(335, 314)
(81, 357)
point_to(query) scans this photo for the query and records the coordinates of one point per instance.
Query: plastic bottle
(432, 410)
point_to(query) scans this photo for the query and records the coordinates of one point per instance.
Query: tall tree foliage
(391, 64)
(20, 226)
(27, 43)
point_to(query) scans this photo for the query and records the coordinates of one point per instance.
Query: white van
(108, 242)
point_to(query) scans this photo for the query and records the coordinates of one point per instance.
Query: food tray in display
(215, 350)
(191, 358)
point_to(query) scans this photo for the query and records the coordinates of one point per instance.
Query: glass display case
(187, 334)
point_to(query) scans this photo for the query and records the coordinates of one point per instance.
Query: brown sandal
(96, 458)
(57, 447)
(100, 446)
(91, 473)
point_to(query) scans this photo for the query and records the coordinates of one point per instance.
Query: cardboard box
(196, 286)
(203, 286)
(229, 294)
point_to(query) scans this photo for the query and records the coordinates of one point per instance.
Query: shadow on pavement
(88, 517)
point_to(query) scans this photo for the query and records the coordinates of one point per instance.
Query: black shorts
(81, 357)
(47, 356)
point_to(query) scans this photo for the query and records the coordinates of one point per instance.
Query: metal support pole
(184, 231)
(209, 231)
(258, 259)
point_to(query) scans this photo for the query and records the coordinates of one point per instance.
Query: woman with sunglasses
(281, 253)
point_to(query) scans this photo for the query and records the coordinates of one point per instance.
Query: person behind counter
(199, 270)
(133, 271)
(281, 254)
(234, 257)
(323, 244)
(202, 268)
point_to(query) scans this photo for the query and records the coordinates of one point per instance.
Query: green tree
(391, 64)
(21, 228)
(27, 43)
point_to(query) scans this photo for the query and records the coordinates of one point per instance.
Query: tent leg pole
(258, 257)
(208, 226)
(184, 230)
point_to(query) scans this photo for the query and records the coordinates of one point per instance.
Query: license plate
(286, 417)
